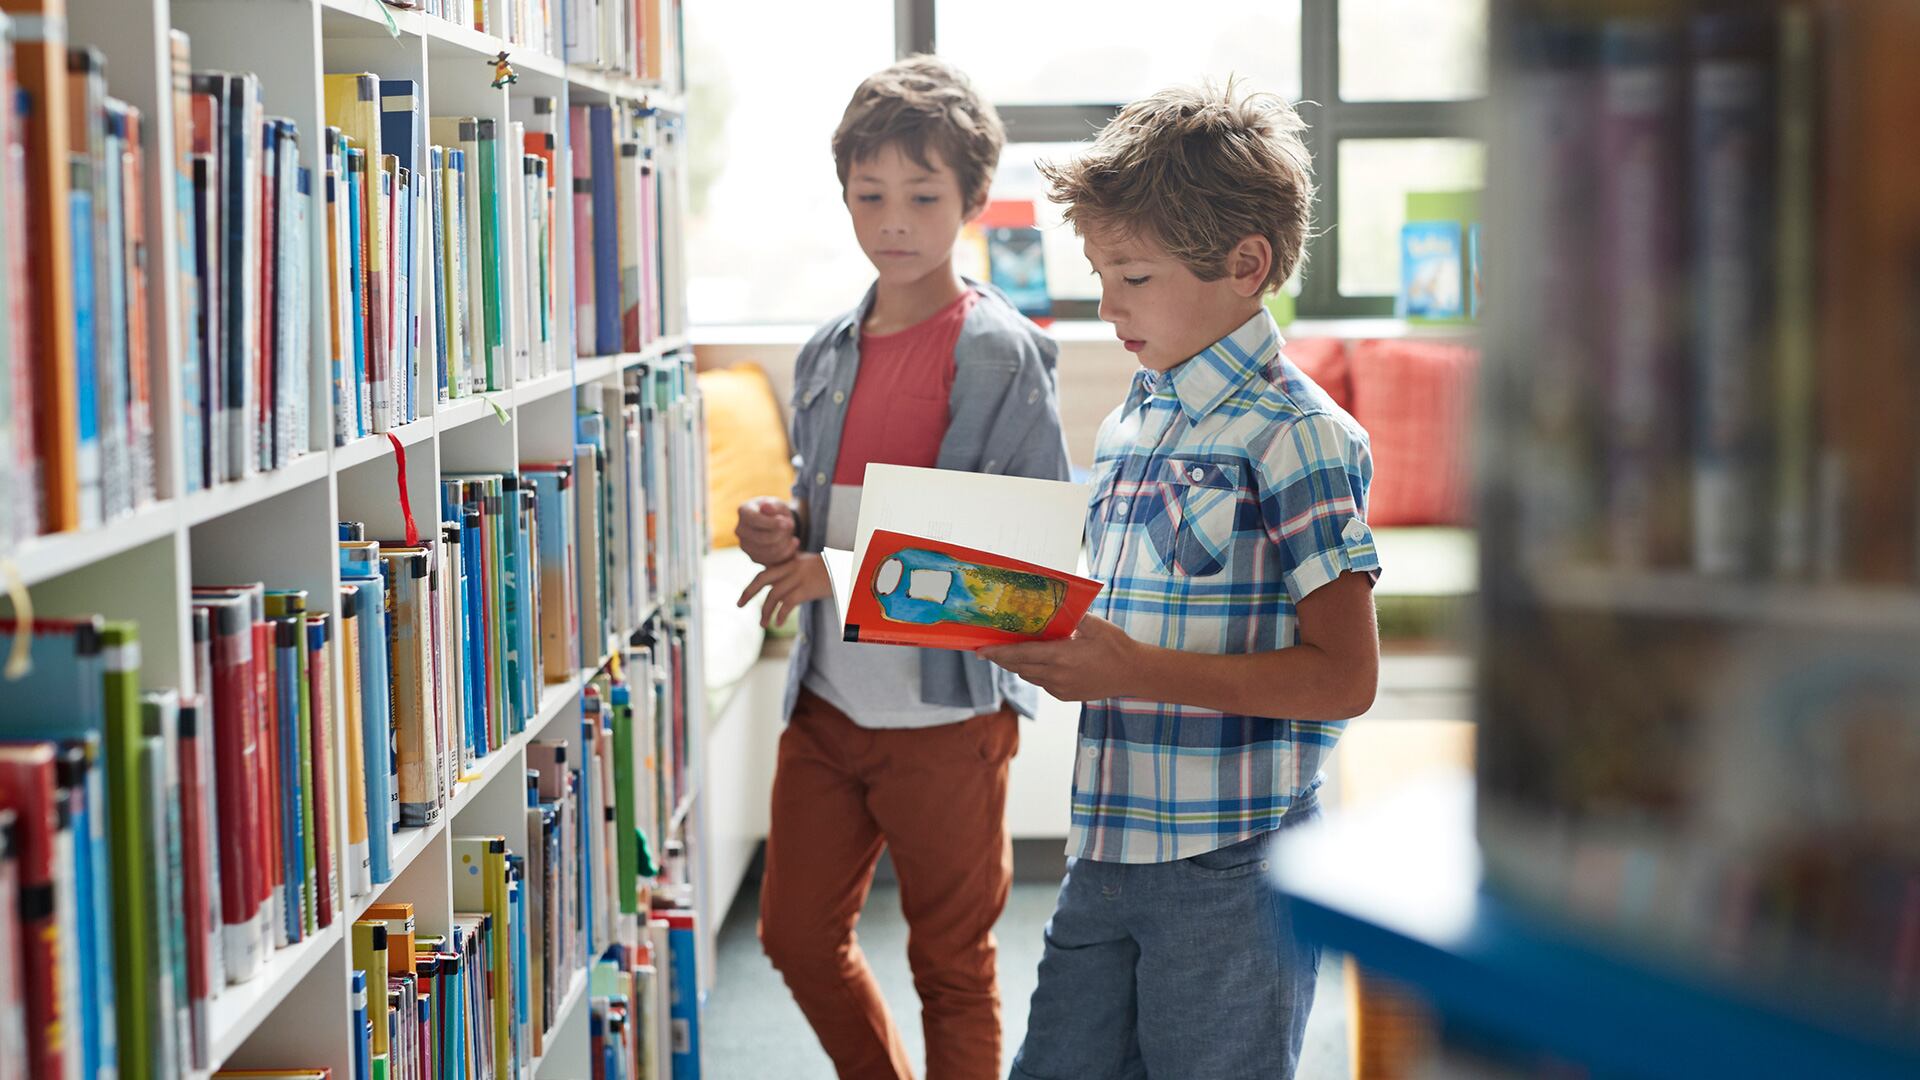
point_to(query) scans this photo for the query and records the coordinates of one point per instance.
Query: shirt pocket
(1198, 515)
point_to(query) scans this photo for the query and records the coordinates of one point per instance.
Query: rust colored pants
(936, 798)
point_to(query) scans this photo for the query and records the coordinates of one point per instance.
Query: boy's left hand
(788, 584)
(1098, 662)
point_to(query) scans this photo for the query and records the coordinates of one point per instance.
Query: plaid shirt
(1224, 491)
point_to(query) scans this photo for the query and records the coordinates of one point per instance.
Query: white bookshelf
(279, 527)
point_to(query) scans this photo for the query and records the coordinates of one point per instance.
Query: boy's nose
(1109, 310)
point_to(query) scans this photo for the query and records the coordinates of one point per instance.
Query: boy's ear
(975, 207)
(1249, 263)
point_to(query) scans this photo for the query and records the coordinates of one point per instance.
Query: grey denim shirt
(1004, 417)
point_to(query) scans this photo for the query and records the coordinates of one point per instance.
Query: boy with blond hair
(1236, 633)
(888, 746)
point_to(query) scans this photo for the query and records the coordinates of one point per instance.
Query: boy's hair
(917, 103)
(1196, 170)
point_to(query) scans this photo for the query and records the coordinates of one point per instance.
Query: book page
(1036, 521)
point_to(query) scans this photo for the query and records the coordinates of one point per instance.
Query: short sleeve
(1313, 501)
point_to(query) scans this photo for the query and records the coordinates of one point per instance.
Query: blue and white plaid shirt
(1223, 492)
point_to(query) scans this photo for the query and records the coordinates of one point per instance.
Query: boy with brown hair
(1229, 524)
(889, 746)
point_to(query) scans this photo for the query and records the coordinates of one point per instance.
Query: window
(1413, 50)
(1375, 177)
(1019, 52)
(1390, 90)
(767, 85)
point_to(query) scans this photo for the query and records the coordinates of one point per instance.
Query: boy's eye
(926, 199)
(1135, 280)
(867, 198)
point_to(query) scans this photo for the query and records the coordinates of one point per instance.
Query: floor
(754, 1031)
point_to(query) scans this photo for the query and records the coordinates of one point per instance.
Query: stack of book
(530, 23)
(167, 845)
(641, 38)
(76, 398)
(627, 256)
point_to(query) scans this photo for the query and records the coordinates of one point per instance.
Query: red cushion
(1416, 401)
(1324, 360)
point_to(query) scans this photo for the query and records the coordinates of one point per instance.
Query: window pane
(768, 237)
(1068, 275)
(1021, 52)
(1413, 50)
(1375, 177)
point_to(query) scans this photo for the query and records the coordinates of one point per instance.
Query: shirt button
(819, 478)
(1033, 396)
(992, 465)
(1196, 474)
(1093, 751)
(839, 397)
(1120, 508)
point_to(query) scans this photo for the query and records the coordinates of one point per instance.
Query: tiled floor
(753, 1031)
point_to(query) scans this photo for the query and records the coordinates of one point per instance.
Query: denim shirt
(1003, 418)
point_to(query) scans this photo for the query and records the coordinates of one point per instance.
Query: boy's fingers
(753, 587)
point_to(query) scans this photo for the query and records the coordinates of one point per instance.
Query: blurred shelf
(203, 506)
(594, 368)
(1397, 885)
(373, 447)
(462, 411)
(449, 38)
(543, 387)
(241, 1007)
(366, 18)
(43, 557)
(1679, 594)
(610, 84)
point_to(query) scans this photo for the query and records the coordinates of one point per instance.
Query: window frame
(1330, 121)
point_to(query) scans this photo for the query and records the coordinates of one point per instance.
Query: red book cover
(910, 590)
(320, 683)
(27, 787)
(237, 771)
(198, 885)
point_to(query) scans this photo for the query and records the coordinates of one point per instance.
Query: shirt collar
(1203, 382)
(848, 326)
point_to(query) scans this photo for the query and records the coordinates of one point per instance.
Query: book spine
(1796, 284)
(606, 236)
(1732, 212)
(1640, 274)
(492, 255)
(40, 59)
(139, 370)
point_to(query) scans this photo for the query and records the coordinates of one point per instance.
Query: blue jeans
(1184, 970)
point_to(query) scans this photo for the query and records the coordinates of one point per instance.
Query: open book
(952, 560)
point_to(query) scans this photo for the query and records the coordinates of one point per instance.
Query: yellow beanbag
(747, 452)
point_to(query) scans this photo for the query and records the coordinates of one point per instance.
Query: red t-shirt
(898, 411)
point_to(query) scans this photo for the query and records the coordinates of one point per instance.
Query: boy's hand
(767, 530)
(1098, 662)
(789, 584)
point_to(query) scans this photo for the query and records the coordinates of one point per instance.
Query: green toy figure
(503, 71)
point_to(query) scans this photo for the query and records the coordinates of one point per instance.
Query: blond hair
(1196, 170)
(917, 103)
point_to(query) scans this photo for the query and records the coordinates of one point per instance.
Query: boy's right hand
(767, 530)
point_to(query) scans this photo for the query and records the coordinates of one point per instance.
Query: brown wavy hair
(917, 103)
(1196, 169)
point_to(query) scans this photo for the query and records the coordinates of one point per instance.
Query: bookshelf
(278, 526)
(1692, 818)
